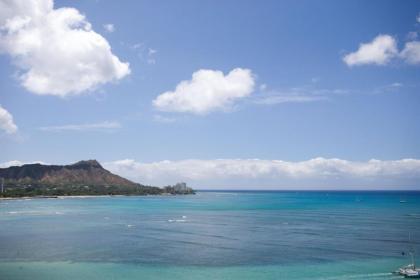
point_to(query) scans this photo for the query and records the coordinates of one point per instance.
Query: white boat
(410, 271)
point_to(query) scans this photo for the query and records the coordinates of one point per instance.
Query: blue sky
(296, 96)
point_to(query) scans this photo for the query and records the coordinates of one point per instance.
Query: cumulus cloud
(207, 91)
(244, 173)
(382, 49)
(379, 51)
(6, 121)
(101, 126)
(411, 52)
(56, 50)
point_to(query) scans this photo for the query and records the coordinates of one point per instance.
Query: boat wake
(387, 275)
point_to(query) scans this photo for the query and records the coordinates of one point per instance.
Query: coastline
(86, 196)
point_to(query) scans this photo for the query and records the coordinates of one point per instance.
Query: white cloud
(383, 48)
(244, 173)
(109, 27)
(101, 126)
(302, 94)
(418, 18)
(6, 121)
(56, 50)
(278, 99)
(379, 51)
(411, 52)
(388, 88)
(207, 91)
(396, 84)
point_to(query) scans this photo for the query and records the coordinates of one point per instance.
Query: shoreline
(86, 196)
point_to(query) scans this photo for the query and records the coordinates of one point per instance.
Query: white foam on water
(380, 275)
(35, 213)
(177, 221)
(224, 193)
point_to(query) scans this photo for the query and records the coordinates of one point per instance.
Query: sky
(233, 94)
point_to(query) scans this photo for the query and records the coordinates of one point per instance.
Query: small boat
(409, 271)
(412, 273)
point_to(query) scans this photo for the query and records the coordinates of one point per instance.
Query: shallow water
(212, 235)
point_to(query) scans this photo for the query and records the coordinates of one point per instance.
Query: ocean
(210, 235)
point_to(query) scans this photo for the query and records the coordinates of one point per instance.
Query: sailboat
(410, 271)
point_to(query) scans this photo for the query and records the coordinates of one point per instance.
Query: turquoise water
(212, 235)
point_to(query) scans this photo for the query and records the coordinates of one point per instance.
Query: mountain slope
(82, 178)
(88, 172)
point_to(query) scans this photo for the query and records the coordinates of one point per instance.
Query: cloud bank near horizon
(266, 174)
(316, 173)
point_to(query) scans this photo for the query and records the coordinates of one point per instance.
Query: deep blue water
(212, 235)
